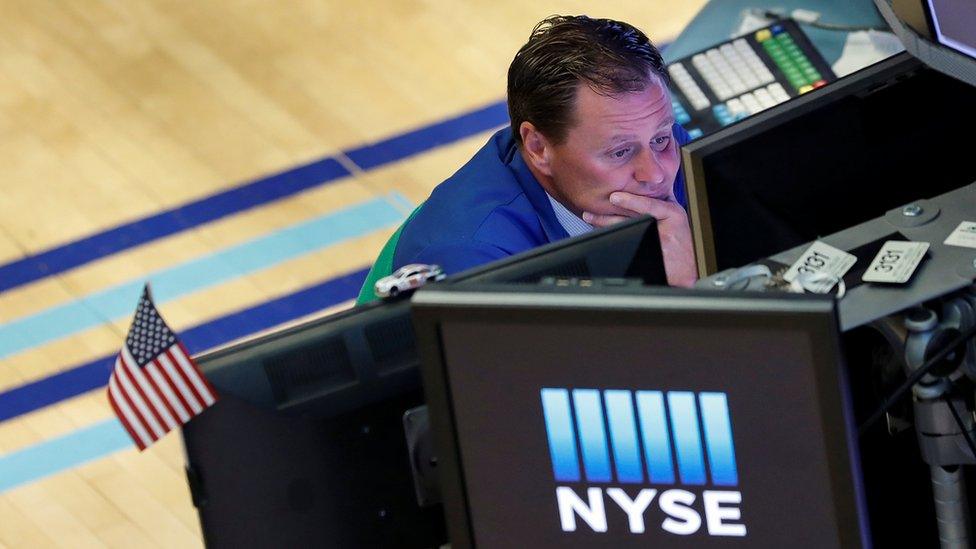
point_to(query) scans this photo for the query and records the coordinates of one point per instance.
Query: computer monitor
(647, 417)
(306, 445)
(941, 33)
(826, 161)
(631, 249)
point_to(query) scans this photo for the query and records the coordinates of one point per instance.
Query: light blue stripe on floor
(53, 456)
(402, 202)
(174, 282)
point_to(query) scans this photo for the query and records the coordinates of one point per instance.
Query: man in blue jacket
(592, 142)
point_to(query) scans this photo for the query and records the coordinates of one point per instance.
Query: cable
(916, 376)
(806, 17)
(955, 416)
(846, 28)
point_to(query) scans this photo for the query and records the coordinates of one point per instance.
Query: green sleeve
(384, 263)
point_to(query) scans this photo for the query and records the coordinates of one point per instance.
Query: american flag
(155, 386)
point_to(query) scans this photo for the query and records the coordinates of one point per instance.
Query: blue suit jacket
(493, 207)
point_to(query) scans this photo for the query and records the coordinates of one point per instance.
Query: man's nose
(648, 169)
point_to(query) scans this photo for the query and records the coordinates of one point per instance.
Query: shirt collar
(573, 224)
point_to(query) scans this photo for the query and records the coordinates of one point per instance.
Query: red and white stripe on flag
(155, 386)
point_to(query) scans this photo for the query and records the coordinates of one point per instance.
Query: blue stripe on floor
(397, 148)
(92, 375)
(123, 237)
(174, 282)
(62, 453)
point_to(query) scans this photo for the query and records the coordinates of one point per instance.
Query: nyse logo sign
(629, 438)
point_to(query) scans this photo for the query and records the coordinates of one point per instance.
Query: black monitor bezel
(233, 368)
(934, 34)
(904, 19)
(500, 271)
(693, 155)
(495, 303)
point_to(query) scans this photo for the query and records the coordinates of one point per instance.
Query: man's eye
(622, 153)
(661, 143)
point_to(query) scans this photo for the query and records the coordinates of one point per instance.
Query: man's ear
(536, 149)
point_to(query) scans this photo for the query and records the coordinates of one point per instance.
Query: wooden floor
(112, 111)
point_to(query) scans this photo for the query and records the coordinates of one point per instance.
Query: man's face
(618, 143)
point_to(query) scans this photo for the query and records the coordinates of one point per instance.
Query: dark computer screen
(644, 417)
(306, 445)
(826, 161)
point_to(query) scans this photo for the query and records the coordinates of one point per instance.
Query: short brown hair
(564, 51)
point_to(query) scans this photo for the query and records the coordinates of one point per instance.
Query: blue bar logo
(639, 437)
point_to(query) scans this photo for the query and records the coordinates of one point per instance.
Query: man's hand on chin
(672, 225)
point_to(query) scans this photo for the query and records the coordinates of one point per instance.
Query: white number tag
(821, 258)
(896, 262)
(964, 235)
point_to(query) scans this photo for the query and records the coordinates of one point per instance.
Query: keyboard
(736, 79)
